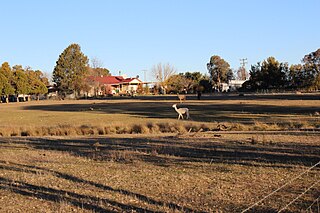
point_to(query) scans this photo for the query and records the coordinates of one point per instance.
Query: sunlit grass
(100, 117)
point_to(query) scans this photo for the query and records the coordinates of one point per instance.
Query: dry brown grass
(167, 127)
(134, 156)
(207, 172)
(70, 118)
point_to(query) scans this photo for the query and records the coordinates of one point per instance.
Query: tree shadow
(161, 151)
(79, 200)
(199, 111)
(167, 151)
(220, 96)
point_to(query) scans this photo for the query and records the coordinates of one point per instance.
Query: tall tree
(273, 73)
(256, 80)
(20, 81)
(176, 83)
(37, 83)
(193, 81)
(297, 78)
(6, 81)
(230, 75)
(312, 68)
(189, 81)
(270, 74)
(205, 85)
(71, 70)
(218, 69)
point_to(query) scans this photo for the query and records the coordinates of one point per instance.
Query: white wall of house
(129, 87)
(234, 85)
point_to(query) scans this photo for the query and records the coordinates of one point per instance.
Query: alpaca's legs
(180, 115)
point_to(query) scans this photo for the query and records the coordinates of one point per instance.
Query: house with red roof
(112, 85)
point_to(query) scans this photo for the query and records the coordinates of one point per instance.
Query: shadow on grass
(79, 200)
(199, 111)
(222, 96)
(161, 151)
(166, 151)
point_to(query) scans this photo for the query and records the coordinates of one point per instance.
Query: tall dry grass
(86, 130)
(150, 128)
(73, 118)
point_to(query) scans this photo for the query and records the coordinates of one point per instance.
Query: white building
(234, 85)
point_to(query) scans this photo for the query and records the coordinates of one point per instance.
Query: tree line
(275, 75)
(169, 81)
(17, 80)
(71, 71)
(70, 75)
(270, 74)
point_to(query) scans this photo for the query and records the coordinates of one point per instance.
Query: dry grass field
(133, 155)
(155, 115)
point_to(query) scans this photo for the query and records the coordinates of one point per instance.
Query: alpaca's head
(174, 105)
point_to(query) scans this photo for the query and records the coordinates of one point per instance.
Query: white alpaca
(181, 111)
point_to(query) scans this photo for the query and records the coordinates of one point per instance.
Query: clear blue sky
(134, 35)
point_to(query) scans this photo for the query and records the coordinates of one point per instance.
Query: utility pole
(242, 73)
(243, 62)
(145, 75)
(145, 84)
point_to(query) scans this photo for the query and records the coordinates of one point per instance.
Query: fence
(310, 208)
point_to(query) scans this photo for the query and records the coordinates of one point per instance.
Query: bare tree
(97, 69)
(162, 73)
(242, 74)
(96, 63)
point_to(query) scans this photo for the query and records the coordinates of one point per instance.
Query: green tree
(273, 73)
(3, 80)
(230, 75)
(99, 71)
(190, 81)
(205, 85)
(218, 69)
(71, 70)
(312, 68)
(193, 79)
(175, 83)
(256, 80)
(37, 83)
(6, 81)
(297, 78)
(270, 74)
(20, 80)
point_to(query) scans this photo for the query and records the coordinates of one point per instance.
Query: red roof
(111, 79)
(128, 80)
(107, 79)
